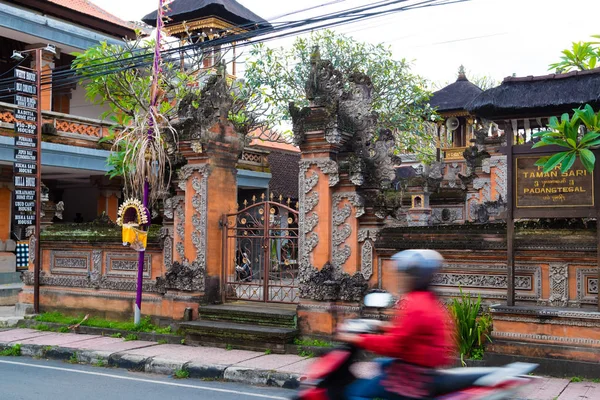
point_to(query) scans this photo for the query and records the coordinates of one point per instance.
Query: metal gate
(260, 254)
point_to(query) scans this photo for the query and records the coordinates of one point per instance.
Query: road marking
(128, 378)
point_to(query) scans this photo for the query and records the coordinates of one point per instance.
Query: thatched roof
(228, 10)
(539, 95)
(455, 96)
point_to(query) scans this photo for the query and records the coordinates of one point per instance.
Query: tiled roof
(89, 8)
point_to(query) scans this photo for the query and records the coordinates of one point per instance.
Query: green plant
(42, 327)
(305, 353)
(63, 329)
(566, 133)
(472, 326)
(130, 337)
(581, 56)
(12, 351)
(116, 335)
(268, 351)
(162, 341)
(74, 358)
(228, 347)
(100, 363)
(181, 374)
(596, 380)
(182, 341)
(576, 379)
(145, 324)
(312, 343)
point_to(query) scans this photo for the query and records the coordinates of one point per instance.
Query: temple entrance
(261, 252)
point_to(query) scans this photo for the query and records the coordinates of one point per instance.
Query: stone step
(10, 277)
(258, 314)
(237, 336)
(9, 293)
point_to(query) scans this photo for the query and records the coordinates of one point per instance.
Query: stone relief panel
(447, 215)
(126, 264)
(587, 286)
(70, 262)
(366, 261)
(497, 164)
(559, 285)
(341, 230)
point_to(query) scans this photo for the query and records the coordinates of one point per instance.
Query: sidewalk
(213, 363)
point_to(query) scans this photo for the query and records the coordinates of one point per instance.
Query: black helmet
(420, 264)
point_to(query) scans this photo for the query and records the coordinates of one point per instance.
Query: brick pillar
(45, 97)
(210, 184)
(110, 191)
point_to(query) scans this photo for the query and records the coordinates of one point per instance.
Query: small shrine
(194, 21)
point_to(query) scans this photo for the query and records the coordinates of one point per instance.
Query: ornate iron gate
(260, 254)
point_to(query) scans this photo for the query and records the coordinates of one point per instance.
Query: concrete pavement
(248, 367)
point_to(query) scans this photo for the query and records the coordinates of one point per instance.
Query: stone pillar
(210, 185)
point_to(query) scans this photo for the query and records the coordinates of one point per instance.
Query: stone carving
(168, 207)
(366, 266)
(446, 215)
(310, 222)
(70, 262)
(32, 249)
(499, 162)
(367, 233)
(180, 230)
(328, 284)
(167, 244)
(593, 286)
(311, 181)
(96, 272)
(182, 277)
(484, 185)
(481, 281)
(341, 231)
(559, 285)
(325, 83)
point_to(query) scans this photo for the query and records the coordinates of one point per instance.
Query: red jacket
(421, 333)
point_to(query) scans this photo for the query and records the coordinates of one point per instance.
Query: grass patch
(182, 341)
(596, 380)
(95, 322)
(181, 374)
(268, 351)
(312, 343)
(12, 351)
(116, 335)
(162, 341)
(228, 347)
(100, 363)
(576, 379)
(130, 337)
(63, 329)
(42, 327)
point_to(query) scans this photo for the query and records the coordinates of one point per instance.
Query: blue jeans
(371, 388)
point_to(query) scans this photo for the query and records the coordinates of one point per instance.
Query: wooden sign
(554, 189)
(25, 75)
(25, 88)
(21, 168)
(25, 155)
(25, 128)
(26, 142)
(25, 101)
(25, 115)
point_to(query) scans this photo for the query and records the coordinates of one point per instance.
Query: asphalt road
(29, 379)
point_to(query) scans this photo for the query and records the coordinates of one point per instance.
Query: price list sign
(26, 165)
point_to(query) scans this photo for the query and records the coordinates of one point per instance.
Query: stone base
(110, 304)
(320, 318)
(566, 334)
(8, 262)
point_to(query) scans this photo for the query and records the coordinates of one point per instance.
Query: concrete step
(10, 277)
(9, 293)
(226, 334)
(257, 314)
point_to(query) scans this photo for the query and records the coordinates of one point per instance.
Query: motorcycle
(329, 377)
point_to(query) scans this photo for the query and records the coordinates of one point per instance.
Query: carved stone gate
(260, 252)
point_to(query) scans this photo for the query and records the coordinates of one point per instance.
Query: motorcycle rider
(419, 339)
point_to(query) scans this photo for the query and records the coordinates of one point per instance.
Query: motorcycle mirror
(379, 300)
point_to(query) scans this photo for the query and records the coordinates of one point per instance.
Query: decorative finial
(462, 76)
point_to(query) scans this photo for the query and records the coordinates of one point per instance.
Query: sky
(495, 38)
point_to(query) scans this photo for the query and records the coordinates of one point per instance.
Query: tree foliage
(278, 76)
(578, 135)
(581, 56)
(120, 78)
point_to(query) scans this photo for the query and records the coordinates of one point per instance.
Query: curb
(163, 366)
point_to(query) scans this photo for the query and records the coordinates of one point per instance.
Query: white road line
(128, 378)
